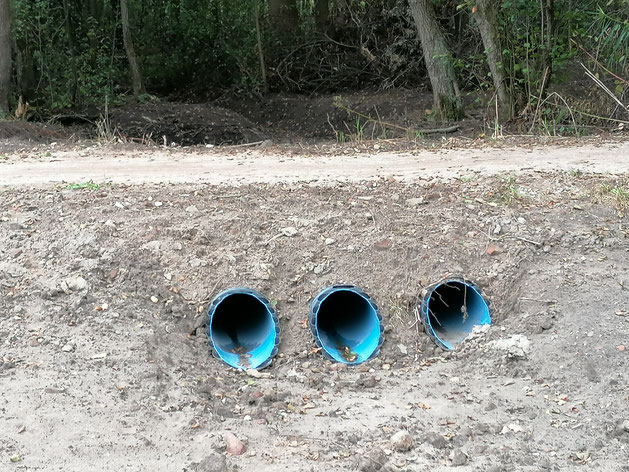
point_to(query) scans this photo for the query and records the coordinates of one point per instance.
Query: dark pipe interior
(454, 310)
(344, 319)
(240, 323)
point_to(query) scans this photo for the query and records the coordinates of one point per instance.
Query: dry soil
(109, 257)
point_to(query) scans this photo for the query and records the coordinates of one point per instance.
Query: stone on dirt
(373, 462)
(458, 458)
(233, 445)
(517, 346)
(415, 201)
(212, 463)
(402, 441)
(289, 231)
(76, 284)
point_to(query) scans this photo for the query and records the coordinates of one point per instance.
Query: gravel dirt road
(159, 165)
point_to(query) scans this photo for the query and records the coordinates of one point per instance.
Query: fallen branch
(598, 82)
(599, 64)
(449, 129)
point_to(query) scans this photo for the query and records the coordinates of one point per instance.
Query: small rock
(15, 253)
(517, 346)
(367, 381)
(289, 231)
(76, 284)
(68, 347)
(233, 445)
(383, 245)
(415, 201)
(493, 249)
(436, 440)
(192, 209)
(402, 349)
(63, 287)
(402, 441)
(154, 299)
(372, 462)
(153, 246)
(329, 241)
(546, 323)
(212, 463)
(458, 458)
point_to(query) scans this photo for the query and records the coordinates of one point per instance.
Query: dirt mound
(184, 124)
(104, 291)
(350, 117)
(19, 133)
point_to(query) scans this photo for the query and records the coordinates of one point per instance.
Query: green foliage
(609, 33)
(90, 185)
(196, 44)
(71, 52)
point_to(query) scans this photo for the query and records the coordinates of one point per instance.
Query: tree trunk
(74, 81)
(438, 61)
(283, 15)
(5, 56)
(134, 66)
(547, 11)
(256, 19)
(322, 14)
(486, 17)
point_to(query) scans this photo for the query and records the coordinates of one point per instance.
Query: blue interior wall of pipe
(452, 309)
(347, 324)
(243, 329)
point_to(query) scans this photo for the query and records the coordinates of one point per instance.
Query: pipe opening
(242, 329)
(347, 325)
(453, 308)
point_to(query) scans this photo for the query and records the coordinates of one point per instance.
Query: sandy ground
(159, 165)
(97, 375)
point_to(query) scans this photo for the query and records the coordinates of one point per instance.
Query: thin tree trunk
(256, 17)
(547, 11)
(74, 81)
(438, 61)
(486, 17)
(5, 56)
(134, 66)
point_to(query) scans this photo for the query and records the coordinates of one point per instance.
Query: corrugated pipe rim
(346, 324)
(244, 339)
(450, 309)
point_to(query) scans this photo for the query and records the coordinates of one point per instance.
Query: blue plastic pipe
(243, 328)
(346, 324)
(451, 308)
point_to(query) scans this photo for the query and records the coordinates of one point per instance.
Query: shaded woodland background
(60, 55)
